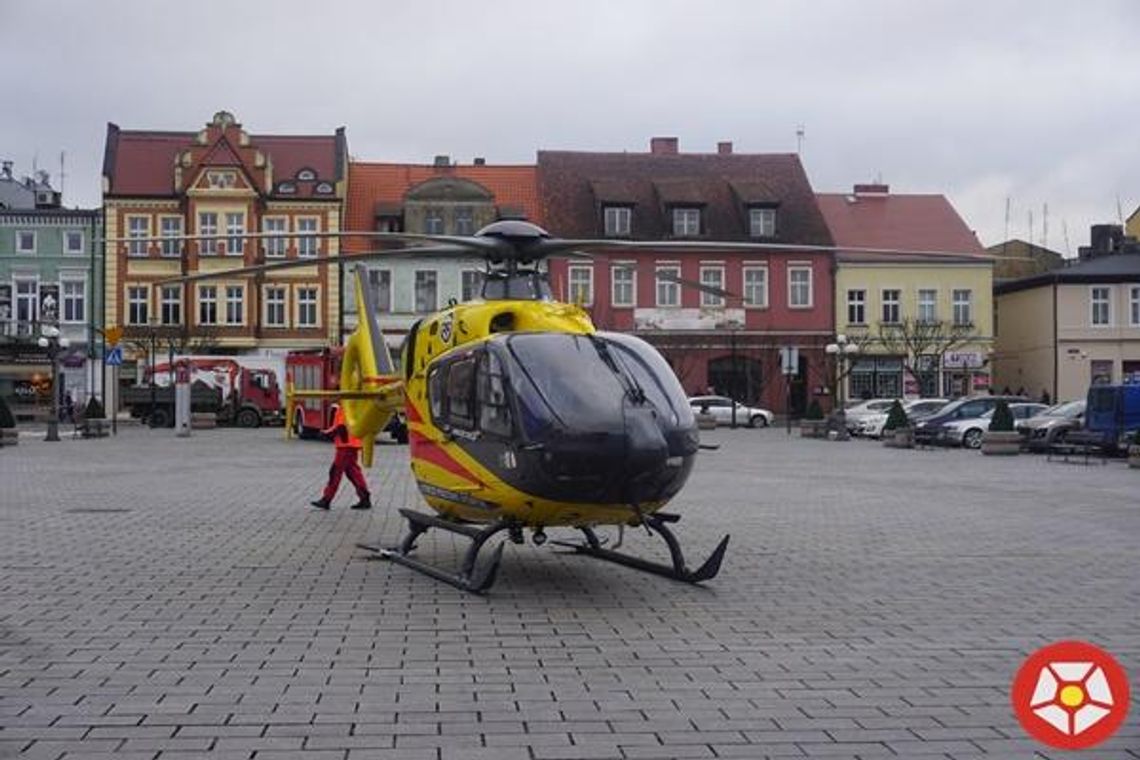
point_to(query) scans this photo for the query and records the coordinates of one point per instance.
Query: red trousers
(345, 464)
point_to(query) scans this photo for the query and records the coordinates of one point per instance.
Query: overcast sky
(1035, 102)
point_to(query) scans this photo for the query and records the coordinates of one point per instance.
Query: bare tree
(921, 344)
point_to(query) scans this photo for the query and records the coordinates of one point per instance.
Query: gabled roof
(1113, 267)
(380, 187)
(575, 185)
(893, 221)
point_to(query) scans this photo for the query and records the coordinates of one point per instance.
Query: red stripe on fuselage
(430, 451)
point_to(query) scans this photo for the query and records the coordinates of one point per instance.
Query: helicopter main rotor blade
(475, 244)
(560, 247)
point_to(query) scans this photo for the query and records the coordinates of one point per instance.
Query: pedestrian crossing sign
(114, 357)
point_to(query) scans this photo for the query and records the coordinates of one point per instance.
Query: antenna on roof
(62, 174)
(1031, 226)
(800, 131)
(1065, 232)
(1119, 211)
(1045, 226)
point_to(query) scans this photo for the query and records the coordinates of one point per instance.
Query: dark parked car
(1051, 426)
(932, 428)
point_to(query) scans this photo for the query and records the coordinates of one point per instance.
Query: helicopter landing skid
(473, 576)
(657, 523)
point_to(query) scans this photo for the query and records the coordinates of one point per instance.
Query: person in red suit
(345, 463)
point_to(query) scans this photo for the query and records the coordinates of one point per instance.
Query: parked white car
(721, 408)
(968, 432)
(872, 425)
(856, 413)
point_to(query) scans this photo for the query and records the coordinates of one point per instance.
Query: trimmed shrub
(94, 410)
(896, 418)
(6, 418)
(814, 411)
(1002, 420)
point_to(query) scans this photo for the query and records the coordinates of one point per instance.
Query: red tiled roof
(897, 222)
(375, 185)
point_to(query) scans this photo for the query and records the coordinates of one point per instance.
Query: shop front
(964, 373)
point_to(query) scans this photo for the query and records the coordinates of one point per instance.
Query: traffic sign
(790, 360)
(113, 335)
(114, 357)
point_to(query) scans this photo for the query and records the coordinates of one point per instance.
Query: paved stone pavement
(171, 598)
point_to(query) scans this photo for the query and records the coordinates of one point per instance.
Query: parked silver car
(859, 411)
(721, 408)
(916, 409)
(968, 433)
(1052, 425)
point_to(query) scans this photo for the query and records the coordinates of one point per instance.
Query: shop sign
(963, 360)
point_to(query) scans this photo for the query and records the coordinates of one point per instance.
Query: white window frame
(1094, 302)
(920, 315)
(377, 271)
(1134, 297)
(67, 300)
(30, 299)
(308, 247)
(750, 299)
(275, 247)
(235, 303)
(170, 248)
(165, 303)
(206, 295)
(762, 222)
(623, 271)
(208, 232)
(580, 277)
(895, 302)
(712, 275)
(476, 285)
(133, 290)
(686, 221)
(794, 269)
(415, 291)
(20, 247)
(78, 250)
(269, 303)
(137, 248)
(617, 221)
(235, 229)
(962, 306)
(302, 302)
(857, 300)
(673, 289)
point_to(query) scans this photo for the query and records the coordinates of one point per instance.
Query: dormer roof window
(686, 221)
(617, 220)
(306, 175)
(287, 188)
(762, 222)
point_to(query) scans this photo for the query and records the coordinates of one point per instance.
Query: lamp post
(841, 350)
(51, 341)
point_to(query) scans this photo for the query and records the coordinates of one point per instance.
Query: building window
(306, 246)
(623, 285)
(581, 285)
(668, 290)
(1135, 292)
(170, 304)
(686, 222)
(756, 286)
(464, 220)
(138, 303)
(856, 307)
(425, 291)
(274, 247)
(235, 298)
(712, 277)
(380, 284)
(617, 220)
(799, 287)
(137, 227)
(963, 308)
(470, 284)
(73, 241)
(27, 305)
(207, 304)
(235, 228)
(891, 299)
(928, 306)
(762, 222)
(433, 221)
(25, 241)
(1101, 306)
(275, 306)
(74, 297)
(221, 180)
(171, 227)
(307, 307)
(207, 228)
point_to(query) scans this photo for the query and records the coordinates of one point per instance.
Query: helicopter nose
(646, 447)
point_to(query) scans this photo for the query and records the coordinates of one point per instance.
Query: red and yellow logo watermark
(1070, 695)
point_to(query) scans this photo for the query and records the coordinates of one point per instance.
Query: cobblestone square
(177, 598)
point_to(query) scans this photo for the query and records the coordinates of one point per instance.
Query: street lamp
(51, 342)
(841, 350)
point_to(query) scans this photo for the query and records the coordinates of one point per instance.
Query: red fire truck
(319, 370)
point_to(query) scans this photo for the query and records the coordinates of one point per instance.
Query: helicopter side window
(461, 393)
(494, 408)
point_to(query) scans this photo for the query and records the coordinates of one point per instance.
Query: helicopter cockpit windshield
(518, 286)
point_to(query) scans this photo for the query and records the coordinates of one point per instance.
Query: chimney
(1103, 240)
(6, 169)
(724, 148)
(663, 146)
(480, 161)
(876, 189)
(442, 161)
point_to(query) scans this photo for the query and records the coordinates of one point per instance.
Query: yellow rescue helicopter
(521, 415)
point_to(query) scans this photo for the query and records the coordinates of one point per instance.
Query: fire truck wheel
(160, 418)
(299, 424)
(248, 418)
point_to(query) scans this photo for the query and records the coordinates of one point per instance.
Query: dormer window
(762, 222)
(433, 222)
(306, 175)
(617, 220)
(324, 188)
(221, 180)
(287, 188)
(686, 222)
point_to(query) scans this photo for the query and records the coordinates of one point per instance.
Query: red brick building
(779, 297)
(222, 182)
